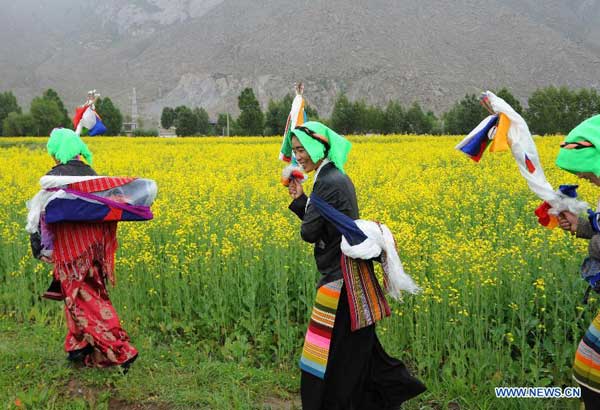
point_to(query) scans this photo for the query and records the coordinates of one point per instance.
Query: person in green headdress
(341, 368)
(65, 146)
(66, 149)
(580, 155)
(82, 255)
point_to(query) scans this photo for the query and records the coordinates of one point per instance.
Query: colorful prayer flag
(477, 141)
(87, 122)
(500, 141)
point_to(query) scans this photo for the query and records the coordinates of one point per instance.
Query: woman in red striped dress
(83, 258)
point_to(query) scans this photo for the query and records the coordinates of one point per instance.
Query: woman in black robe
(359, 374)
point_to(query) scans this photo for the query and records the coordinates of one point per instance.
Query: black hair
(312, 134)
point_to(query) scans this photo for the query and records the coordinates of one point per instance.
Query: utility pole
(134, 111)
(228, 124)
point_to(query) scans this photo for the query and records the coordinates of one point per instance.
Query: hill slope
(203, 52)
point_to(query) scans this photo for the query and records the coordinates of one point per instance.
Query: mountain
(204, 52)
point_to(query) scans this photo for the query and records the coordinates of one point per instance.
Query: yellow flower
(540, 284)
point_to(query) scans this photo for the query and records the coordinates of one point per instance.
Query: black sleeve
(594, 246)
(584, 228)
(586, 231)
(314, 226)
(36, 245)
(298, 206)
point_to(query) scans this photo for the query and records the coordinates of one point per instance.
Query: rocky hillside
(203, 52)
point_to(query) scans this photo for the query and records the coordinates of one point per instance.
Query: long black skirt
(360, 375)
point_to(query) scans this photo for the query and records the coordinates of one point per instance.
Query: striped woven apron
(366, 300)
(315, 352)
(586, 369)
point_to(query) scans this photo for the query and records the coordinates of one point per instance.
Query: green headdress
(64, 145)
(320, 142)
(581, 150)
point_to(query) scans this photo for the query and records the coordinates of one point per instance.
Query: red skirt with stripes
(83, 262)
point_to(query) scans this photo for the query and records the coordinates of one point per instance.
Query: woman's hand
(295, 189)
(46, 259)
(568, 221)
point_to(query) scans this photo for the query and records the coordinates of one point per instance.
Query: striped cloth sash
(366, 300)
(100, 184)
(586, 368)
(315, 352)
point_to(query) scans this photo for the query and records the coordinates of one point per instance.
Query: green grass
(222, 278)
(180, 375)
(184, 375)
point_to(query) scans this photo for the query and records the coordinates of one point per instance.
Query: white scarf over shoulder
(380, 241)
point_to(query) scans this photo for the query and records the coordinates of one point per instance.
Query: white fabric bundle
(380, 241)
(37, 204)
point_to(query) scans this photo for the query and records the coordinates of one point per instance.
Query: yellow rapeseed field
(223, 260)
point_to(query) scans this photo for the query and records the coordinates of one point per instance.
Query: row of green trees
(187, 121)
(359, 118)
(251, 121)
(47, 112)
(551, 110)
